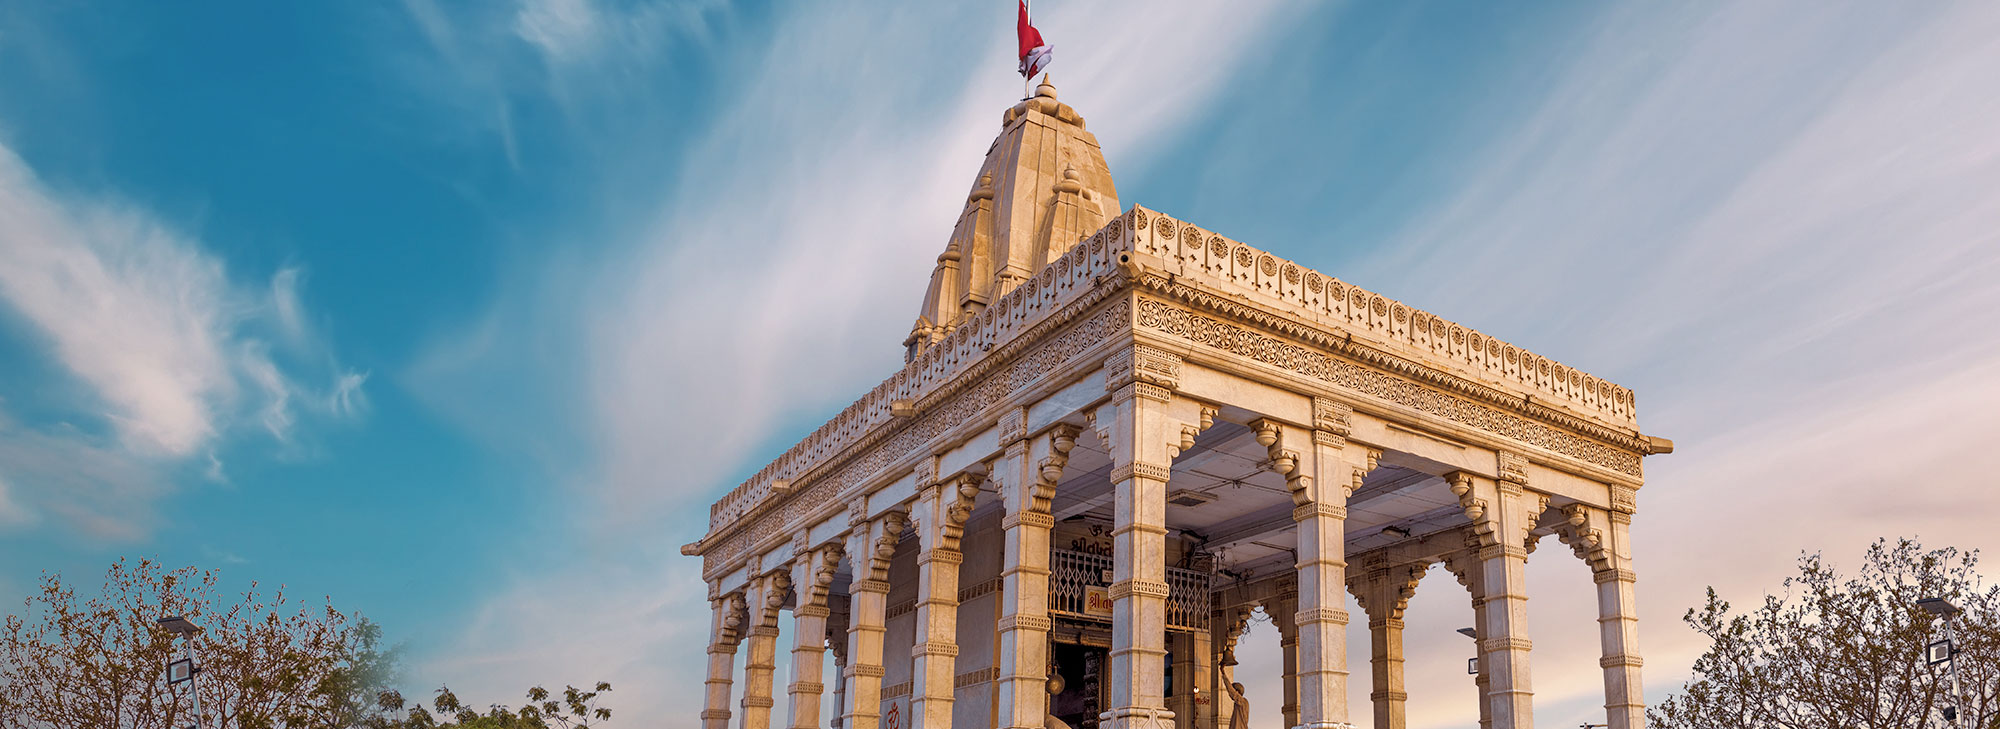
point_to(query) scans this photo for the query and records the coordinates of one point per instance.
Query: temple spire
(1042, 187)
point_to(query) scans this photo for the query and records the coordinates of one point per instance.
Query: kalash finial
(1046, 90)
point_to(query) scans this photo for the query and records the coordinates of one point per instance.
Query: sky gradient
(461, 314)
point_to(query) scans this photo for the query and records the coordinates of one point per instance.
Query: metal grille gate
(1073, 575)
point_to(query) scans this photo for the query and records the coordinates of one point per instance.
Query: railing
(1079, 588)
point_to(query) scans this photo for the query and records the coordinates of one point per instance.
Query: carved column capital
(1142, 364)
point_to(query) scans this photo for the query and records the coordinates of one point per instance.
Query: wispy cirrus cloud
(173, 354)
(1773, 224)
(786, 258)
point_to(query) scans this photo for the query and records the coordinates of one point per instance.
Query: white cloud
(172, 351)
(12, 512)
(1771, 223)
(796, 240)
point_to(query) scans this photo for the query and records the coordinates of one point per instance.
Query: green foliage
(1834, 653)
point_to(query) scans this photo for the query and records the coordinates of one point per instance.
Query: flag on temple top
(1035, 55)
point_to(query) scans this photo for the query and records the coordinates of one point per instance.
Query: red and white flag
(1035, 55)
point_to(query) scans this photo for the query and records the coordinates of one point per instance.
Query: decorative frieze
(1495, 645)
(957, 406)
(1025, 622)
(984, 587)
(1141, 469)
(1314, 509)
(984, 675)
(1336, 616)
(1311, 362)
(1142, 588)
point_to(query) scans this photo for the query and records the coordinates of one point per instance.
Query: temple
(1116, 435)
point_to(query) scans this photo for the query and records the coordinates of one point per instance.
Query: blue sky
(463, 313)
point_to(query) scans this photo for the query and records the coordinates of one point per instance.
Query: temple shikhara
(1116, 435)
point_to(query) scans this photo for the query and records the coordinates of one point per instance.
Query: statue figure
(1239, 714)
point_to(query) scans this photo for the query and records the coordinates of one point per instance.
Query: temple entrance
(1084, 669)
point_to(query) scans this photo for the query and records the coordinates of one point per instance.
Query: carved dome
(1043, 187)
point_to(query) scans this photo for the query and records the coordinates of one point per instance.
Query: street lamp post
(1945, 651)
(184, 670)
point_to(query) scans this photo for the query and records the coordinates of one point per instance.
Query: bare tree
(575, 709)
(266, 662)
(1834, 653)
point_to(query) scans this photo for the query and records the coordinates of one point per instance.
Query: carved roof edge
(1011, 319)
(1233, 268)
(1372, 329)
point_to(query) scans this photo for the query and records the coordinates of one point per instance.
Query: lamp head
(177, 625)
(1939, 607)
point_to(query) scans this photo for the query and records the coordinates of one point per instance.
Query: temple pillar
(1618, 624)
(1465, 565)
(1481, 682)
(1601, 538)
(1502, 513)
(1384, 593)
(942, 509)
(725, 635)
(1194, 696)
(1137, 431)
(870, 546)
(1027, 478)
(767, 596)
(1321, 478)
(812, 576)
(1283, 611)
(837, 641)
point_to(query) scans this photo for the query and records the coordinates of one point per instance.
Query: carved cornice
(1075, 283)
(1333, 359)
(1232, 270)
(978, 388)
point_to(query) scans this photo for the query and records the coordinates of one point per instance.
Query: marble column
(870, 547)
(1384, 593)
(812, 576)
(1481, 683)
(1321, 476)
(1194, 695)
(767, 595)
(1506, 512)
(1465, 565)
(942, 509)
(1027, 478)
(1602, 537)
(1283, 609)
(726, 634)
(836, 641)
(1138, 433)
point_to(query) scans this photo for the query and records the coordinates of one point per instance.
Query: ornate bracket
(825, 562)
(1188, 432)
(884, 548)
(735, 613)
(776, 586)
(1583, 539)
(1062, 439)
(1483, 525)
(955, 500)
